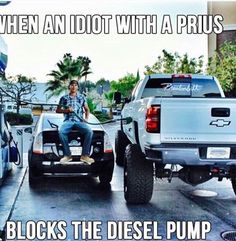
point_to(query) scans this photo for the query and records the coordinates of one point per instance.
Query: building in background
(228, 10)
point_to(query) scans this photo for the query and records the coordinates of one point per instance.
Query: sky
(113, 55)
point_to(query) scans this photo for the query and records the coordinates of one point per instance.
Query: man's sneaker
(87, 159)
(65, 159)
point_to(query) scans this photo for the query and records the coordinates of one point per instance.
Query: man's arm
(86, 111)
(61, 108)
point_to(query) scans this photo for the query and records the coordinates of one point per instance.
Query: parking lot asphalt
(10, 188)
(76, 197)
(8, 194)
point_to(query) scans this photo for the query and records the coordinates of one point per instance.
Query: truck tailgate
(198, 120)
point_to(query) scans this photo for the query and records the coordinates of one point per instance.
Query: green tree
(109, 97)
(223, 66)
(174, 63)
(101, 81)
(91, 105)
(67, 69)
(86, 86)
(125, 84)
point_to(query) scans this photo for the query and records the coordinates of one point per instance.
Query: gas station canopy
(4, 2)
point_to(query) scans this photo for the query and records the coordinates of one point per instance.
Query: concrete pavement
(8, 194)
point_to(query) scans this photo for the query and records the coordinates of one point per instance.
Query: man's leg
(63, 135)
(87, 132)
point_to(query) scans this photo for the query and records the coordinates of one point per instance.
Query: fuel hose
(125, 121)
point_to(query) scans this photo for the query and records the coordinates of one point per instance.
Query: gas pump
(5, 164)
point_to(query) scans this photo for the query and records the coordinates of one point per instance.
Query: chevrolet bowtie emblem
(220, 123)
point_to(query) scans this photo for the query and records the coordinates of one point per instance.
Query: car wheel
(105, 176)
(233, 181)
(34, 176)
(121, 141)
(138, 176)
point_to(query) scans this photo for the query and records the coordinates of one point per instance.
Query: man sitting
(73, 105)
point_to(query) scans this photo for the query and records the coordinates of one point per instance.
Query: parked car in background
(46, 150)
(11, 108)
(116, 111)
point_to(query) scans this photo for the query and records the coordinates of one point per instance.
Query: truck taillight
(153, 119)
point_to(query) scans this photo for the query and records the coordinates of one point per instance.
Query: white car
(46, 150)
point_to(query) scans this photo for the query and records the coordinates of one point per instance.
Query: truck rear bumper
(188, 155)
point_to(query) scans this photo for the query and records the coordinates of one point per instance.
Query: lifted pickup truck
(178, 120)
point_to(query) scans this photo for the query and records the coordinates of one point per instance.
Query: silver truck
(182, 120)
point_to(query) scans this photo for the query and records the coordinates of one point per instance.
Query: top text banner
(104, 24)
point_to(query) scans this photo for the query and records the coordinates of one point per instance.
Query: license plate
(218, 152)
(76, 150)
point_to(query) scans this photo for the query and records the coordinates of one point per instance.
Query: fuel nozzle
(127, 120)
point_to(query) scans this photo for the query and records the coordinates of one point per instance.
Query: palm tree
(85, 69)
(68, 68)
(109, 97)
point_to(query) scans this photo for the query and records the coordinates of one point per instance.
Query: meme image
(117, 120)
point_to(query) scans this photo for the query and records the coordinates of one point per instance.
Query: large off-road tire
(233, 180)
(121, 141)
(138, 176)
(105, 176)
(34, 176)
